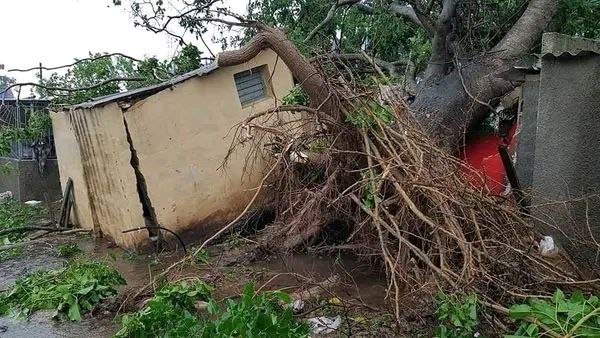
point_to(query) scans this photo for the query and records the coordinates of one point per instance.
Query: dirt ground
(358, 297)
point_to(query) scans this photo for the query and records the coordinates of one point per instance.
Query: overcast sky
(55, 32)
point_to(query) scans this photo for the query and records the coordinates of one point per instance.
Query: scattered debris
(324, 325)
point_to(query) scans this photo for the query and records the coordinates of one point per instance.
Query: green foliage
(457, 316)
(369, 115)
(91, 72)
(71, 291)
(68, 250)
(201, 257)
(16, 215)
(296, 96)
(13, 214)
(38, 124)
(576, 316)
(171, 313)
(255, 315)
(578, 18)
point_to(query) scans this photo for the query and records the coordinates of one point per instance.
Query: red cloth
(486, 168)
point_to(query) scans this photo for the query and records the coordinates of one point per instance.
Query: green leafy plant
(255, 315)
(68, 250)
(71, 291)
(296, 96)
(560, 316)
(370, 115)
(201, 257)
(172, 313)
(16, 215)
(457, 316)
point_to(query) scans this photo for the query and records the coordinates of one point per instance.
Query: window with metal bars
(250, 85)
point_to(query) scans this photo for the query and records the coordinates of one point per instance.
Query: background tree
(454, 49)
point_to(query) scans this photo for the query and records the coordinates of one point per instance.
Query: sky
(55, 32)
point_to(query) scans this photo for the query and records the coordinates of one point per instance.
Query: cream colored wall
(182, 136)
(69, 165)
(92, 149)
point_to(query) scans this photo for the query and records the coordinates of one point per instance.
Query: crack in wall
(142, 188)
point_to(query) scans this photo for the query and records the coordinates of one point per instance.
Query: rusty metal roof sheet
(144, 92)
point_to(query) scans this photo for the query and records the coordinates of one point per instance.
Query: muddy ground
(358, 297)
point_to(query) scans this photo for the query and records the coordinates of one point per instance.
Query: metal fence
(15, 114)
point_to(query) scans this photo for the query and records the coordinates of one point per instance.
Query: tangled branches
(369, 164)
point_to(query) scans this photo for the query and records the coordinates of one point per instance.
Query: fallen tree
(361, 157)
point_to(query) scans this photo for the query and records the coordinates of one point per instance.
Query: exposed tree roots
(369, 164)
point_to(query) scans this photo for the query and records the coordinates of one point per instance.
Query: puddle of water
(358, 281)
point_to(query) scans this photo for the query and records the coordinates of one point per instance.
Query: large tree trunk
(445, 109)
(447, 105)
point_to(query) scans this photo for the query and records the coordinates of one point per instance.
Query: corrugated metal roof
(560, 45)
(144, 92)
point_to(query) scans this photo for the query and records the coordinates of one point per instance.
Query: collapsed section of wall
(93, 150)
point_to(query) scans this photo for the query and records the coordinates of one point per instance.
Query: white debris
(33, 203)
(547, 247)
(298, 305)
(324, 325)
(6, 195)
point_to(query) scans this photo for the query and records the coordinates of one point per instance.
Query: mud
(358, 281)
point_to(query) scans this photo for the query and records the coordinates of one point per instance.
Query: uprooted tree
(358, 155)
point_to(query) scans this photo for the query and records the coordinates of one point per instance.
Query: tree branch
(75, 63)
(391, 67)
(73, 90)
(441, 58)
(527, 30)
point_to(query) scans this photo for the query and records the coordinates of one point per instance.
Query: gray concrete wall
(527, 131)
(26, 183)
(567, 154)
(9, 181)
(35, 186)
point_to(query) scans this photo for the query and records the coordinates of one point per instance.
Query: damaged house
(153, 155)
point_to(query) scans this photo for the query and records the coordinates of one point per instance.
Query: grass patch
(172, 313)
(68, 250)
(71, 291)
(457, 316)
(15, 215)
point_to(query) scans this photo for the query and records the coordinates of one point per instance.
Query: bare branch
(330, 16)
(391, 67)
(73, 90)
(75, 63)
(527, 30)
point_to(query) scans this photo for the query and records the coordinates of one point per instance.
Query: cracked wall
(93, 150)
(159, 158)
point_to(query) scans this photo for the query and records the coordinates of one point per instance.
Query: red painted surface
(486, 168)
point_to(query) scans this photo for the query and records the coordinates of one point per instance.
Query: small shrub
(565, 317)
(255, 315)
(15, 215)
(68, 250)
(71, 291)
(457, 316)
(171, 313)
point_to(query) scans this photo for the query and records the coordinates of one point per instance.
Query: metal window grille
(250, 85)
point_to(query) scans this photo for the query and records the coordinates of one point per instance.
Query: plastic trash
(324, 325)
(33, 203)
(547, 247)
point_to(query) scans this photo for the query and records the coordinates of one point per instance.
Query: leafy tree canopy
(127, 73)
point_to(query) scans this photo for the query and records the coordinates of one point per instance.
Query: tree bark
(303, 71)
